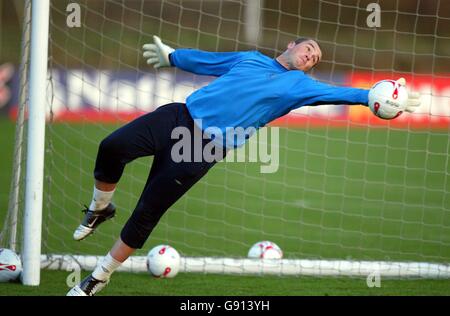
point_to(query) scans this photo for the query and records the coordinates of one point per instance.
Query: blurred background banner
(134, 94)
(7, 91)
(98, 69)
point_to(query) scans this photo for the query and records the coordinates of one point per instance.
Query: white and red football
(265, 250)
(388, 99)
(10, 265)
(163, 261)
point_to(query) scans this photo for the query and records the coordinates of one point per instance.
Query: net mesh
(349, 186)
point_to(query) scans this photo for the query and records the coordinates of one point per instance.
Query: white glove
(413, 98)
(157, 53)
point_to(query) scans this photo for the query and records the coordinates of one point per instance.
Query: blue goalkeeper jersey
(251, 90)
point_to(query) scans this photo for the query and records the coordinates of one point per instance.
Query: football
(10, 265)
(163, 261)
(388, 99)
(265, 250)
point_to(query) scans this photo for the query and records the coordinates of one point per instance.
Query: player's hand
(157, 53)
(413, 102)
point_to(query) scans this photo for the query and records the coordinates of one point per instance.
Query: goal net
(351, 194)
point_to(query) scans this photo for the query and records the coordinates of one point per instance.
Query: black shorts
(168, 180)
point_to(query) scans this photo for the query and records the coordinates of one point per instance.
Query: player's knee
(111, 144)
(140, 225)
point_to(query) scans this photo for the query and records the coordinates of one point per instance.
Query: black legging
(168, 180)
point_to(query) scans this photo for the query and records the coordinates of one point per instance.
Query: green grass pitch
(339, 193)
(187, 284)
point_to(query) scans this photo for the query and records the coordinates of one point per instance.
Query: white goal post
(34, 183)
(352, 195)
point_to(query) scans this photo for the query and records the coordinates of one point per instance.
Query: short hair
(305, 39)
(302, 39)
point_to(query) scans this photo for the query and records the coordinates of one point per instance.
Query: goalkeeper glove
(413, 102)
(157, 53)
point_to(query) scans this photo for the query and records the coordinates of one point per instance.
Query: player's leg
(168, 181)
(133, 140)
(165, 187)
(97, 280)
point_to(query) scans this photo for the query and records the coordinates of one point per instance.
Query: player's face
(304, 56)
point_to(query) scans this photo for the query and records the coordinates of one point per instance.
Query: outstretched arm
(341, 95)
(206, 63)
(318, 93)
(192, 60)
(313, 92)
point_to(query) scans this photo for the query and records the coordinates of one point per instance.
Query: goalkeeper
(251, 90)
